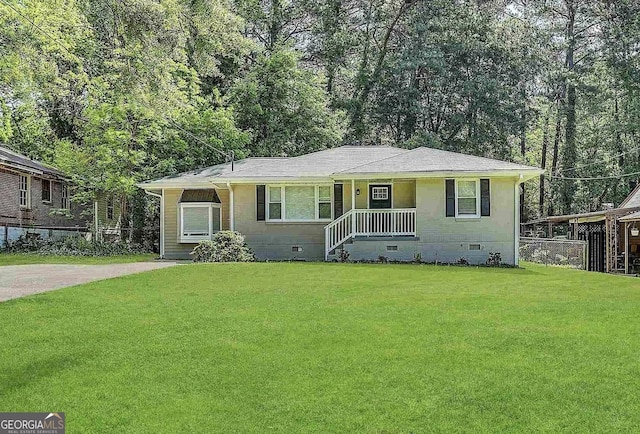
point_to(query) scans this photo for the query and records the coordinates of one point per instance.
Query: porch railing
(369, 222)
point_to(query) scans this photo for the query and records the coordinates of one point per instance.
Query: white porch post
(353, 194)
(232, 223)
(626, 248)
(353, 206)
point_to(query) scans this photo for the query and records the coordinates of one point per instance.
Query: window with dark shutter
(260, 202)
(451, 197)
(485, 198)
(338, 206)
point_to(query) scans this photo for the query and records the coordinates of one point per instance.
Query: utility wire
(199, 140)
(593, 178)
(600, 162)
(229, 155)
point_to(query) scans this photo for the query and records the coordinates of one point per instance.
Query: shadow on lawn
(32, 373)
(519, 271)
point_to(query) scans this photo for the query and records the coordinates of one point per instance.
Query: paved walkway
(20, 280)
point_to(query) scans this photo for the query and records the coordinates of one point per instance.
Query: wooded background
(118, 91)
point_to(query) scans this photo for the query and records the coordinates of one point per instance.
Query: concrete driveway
(20, 280)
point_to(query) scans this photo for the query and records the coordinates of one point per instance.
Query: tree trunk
(543, 159)
(368, 81)
(569, 153)
(554, 161)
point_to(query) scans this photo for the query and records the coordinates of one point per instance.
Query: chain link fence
(548, 251)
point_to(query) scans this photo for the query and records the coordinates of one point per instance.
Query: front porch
(374, 209)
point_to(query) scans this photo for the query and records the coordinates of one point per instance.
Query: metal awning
(208, 195)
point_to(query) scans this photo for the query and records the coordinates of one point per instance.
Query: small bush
(417, 258)
(462, 261)
(344, 256)
(494, 259)
(383, 259)
(70, 246)
(226, 246)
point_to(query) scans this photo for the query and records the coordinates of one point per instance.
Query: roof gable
(633, 200)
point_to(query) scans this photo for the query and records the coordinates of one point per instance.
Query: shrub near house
(226, 246)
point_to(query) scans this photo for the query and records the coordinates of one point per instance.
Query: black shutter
(451, 198)
(338, 206)
(485, 198)
(260, 202)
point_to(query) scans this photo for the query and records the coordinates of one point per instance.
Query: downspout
(516, 226)
(232, 223)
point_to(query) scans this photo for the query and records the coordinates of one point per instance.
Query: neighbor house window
(110, 208)
(46, 190)
(25, 191)
(64, 198)
(300, 202)
(467, 197)
(199, 221)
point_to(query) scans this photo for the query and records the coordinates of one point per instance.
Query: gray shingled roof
(319, 164)
(345, 160)
(420, 160)
(208, 174)
(19, 161)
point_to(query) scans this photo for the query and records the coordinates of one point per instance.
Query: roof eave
(523, 174)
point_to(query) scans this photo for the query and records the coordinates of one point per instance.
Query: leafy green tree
(284, 107)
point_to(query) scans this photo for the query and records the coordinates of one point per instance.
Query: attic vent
(296, 249)
(475, 247)
(392, 248)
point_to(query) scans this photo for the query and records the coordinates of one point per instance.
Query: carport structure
(612, 247)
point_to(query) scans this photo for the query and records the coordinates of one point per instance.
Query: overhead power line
(594, 178)
(600, 162)
(230, 155)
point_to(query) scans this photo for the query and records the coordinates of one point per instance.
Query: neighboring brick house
(33, 194)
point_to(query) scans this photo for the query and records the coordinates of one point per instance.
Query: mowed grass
(329, 348)
(28, 258)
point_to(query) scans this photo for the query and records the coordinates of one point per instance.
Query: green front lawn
(329, 348)
(28, 258)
